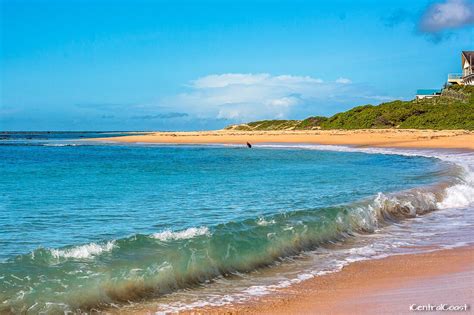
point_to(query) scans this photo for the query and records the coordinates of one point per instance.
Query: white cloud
(343, 81)
(242, 97)
(228, 79)
(223, 80)
(283, 102)
(447, 15)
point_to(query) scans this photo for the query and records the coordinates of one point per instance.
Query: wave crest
(83, 251)
(181, 235)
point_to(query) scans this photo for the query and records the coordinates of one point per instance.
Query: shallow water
(98, 225)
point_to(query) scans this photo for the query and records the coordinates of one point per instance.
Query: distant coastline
(397, 138)
(446, 121)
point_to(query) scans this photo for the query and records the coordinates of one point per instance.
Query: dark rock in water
(249, 145)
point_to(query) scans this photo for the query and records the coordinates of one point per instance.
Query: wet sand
(402, 138)
(384, 286)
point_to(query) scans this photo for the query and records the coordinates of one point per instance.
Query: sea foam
(181, 235)
(83, 251)
(457, 195)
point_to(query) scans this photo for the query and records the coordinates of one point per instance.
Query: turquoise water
(90, 225)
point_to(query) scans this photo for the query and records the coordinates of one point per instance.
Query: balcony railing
(455, 76)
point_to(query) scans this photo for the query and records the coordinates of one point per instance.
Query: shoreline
(380, 286)
(396, 138)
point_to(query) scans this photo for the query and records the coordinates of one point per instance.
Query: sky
(195, 65)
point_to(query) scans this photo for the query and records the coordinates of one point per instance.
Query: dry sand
(385, 286)
(449, 139)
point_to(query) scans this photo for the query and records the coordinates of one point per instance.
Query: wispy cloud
(343, 81)
(161, 116)
(247, 79)
(447, 15)
(248, 96)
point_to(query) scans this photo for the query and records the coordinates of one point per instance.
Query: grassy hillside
(454, 109)
(267, 125)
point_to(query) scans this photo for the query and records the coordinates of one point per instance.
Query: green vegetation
(454, 109)
(311, 122)
(267, 125)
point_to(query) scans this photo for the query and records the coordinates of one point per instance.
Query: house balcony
(455, 78)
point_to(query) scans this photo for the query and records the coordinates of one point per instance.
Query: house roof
(469, 55)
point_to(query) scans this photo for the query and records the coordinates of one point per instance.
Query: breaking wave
(83, 251)
(181, 235)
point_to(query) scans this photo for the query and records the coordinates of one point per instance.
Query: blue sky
(187, 65)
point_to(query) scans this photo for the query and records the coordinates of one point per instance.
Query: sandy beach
(400, 138)
(385, 286)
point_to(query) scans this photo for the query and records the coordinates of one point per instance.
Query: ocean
(90, 225)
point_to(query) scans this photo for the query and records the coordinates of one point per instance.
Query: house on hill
(467, 66)
(464, 78)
